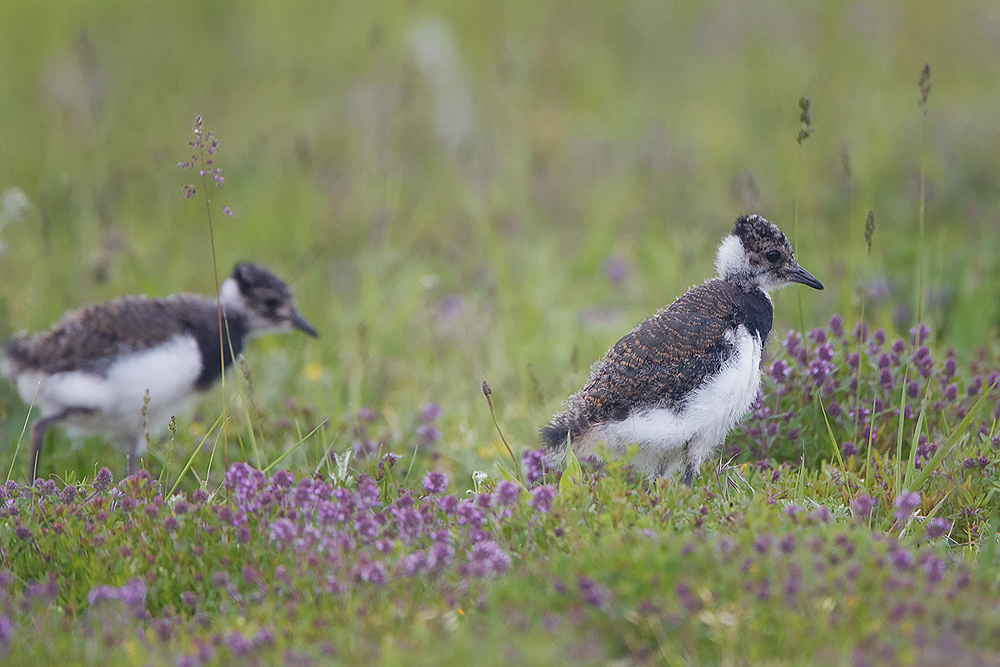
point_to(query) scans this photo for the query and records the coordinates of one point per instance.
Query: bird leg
(38, 430)
(688, 465)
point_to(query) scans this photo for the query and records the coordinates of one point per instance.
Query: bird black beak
(800, 275)
(301, 324)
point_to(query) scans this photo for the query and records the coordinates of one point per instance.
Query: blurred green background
(469, 191)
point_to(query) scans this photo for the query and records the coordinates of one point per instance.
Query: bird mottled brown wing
(663, 359)
(90, 338)
(714, 297)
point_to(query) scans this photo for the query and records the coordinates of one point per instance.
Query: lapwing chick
(92, 371)
(684, 377)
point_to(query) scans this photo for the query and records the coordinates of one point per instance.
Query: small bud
(486, 389)
(805, 118)
(925, 85)
(869, 230)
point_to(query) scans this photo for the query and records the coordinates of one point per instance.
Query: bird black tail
(564, 427)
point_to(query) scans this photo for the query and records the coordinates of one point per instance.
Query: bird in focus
(683, 378)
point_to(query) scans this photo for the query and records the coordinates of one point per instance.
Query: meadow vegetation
(460, 192)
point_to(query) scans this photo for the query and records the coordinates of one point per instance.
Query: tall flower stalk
(205, 146)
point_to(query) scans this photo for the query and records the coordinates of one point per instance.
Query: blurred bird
(92, 371)
(684, 377)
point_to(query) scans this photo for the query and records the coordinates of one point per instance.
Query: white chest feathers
(116, 399)
(698, 426)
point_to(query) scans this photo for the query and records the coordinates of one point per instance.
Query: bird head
(758, 256)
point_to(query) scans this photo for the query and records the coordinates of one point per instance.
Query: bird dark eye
(272, 303)
(773, 256)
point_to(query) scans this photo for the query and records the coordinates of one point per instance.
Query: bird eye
(272, 303)
(773, 256)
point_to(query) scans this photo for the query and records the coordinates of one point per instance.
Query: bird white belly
(702, 423)
(115, 400)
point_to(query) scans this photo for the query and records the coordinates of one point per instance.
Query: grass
(468, 192)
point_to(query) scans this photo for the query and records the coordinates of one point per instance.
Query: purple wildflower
(104, 480)
(822, 514)
(902, 559)
(436, 482)
(440, 555)
(934, 569)
(369, 571)
(410, 524)
(430, 412)
(368, 493)
(469, 515)
(687, 598)
(428, 433)
(780, 371)
(793, 581)
(487, 560)
(792, 342)
(849, 449)
(592, 592)
(863, 506)
(616, 270)
(937, 527)
(448, 504)
(283, 531)
(7, 628)
(906, 503)
(508, 493)
(837, 326)
(533, 461)
(819, 370)
(412, 564)
(762, 544)
(68, 494)
(919, 334)
(542, 497)
(22, 532)
(283, 479)
(853, 359)
(237, 643)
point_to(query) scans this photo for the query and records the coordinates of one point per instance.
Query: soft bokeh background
(469, 191)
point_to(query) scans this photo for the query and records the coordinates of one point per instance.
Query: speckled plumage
(683, 375)
(92, 338)
(92, 370)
